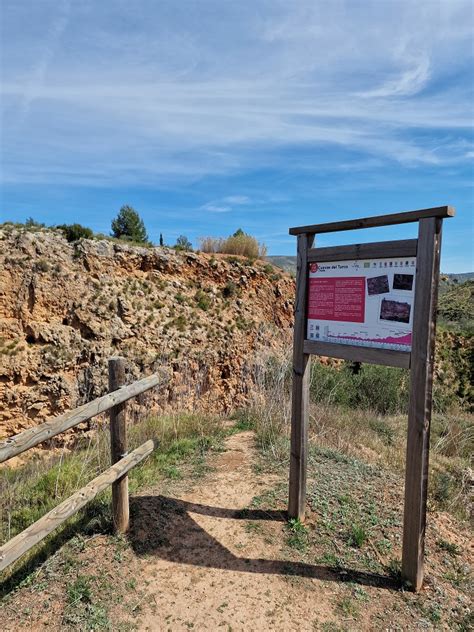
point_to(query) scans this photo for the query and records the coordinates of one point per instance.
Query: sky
(211, 115)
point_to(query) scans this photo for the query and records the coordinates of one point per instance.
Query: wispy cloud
(107, 93)
(225, 204)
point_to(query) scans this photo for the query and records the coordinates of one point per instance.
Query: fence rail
(33, 436)
(115, 475)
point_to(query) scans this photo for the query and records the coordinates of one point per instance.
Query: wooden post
(419, 411)
(118, 446)
(300, 387)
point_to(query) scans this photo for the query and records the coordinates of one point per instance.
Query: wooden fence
(116, 475)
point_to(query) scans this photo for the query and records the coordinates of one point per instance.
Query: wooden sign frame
(419, 360)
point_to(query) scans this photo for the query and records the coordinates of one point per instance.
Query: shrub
(237, 244)
(202, 299)
(183, 243)
(268, 269)
(42, 265)
(128, 225)
(74, 232)
(378, 388)
(31, 223)
(211, 244)
(229, 289)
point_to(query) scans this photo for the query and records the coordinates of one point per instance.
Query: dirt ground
(215, 552)
(213, 572)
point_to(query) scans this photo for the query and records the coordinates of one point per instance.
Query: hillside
(456, 306)
(66, 308)
(210, 319)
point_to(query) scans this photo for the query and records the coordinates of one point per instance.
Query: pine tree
(129, 225)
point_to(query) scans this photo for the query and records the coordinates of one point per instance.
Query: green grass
(297, 536)
(28, 492)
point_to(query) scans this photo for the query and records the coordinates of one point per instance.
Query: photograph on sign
(367, 303)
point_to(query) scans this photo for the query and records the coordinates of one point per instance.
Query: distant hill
(288, 263)
(461, 277)
(285, 263)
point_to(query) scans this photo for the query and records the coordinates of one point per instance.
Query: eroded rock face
(66, 308)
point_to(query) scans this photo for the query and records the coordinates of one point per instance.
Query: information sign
(366, 303)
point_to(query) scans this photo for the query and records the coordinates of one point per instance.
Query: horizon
(209, 117)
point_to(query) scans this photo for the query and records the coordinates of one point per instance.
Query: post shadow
(163, 527)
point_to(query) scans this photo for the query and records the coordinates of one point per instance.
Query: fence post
(118, 446)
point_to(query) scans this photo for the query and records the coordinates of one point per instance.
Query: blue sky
(209, 116)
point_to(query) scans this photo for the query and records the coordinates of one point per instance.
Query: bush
(183, 243)
(202, 299)
(237, 244)
(378, 388)
(32, 223)
(128, 225)
(229, 290)
(74, 232)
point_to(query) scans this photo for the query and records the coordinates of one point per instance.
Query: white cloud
(407, 83)
(215, 208)
(237, 199)
(107, 93)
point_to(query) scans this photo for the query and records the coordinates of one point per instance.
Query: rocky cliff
(66, 308)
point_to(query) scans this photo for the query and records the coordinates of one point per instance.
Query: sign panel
(362, 302)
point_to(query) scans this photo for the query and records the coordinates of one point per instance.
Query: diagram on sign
(366, 303)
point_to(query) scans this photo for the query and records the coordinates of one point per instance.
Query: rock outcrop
(66, 308)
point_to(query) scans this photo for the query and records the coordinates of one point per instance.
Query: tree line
(129, 226)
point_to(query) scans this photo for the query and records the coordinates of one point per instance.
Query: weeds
(357, 536)
(29, 492)
(297, 537)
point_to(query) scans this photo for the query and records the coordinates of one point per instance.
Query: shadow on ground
(164, 527)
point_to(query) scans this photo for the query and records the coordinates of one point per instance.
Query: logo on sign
(314, 267)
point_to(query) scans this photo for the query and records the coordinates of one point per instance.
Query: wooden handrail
(36, 532)
(33, 436)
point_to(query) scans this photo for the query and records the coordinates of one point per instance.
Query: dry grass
(242, 245)
(363, 433)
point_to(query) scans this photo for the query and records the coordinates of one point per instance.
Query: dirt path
(215, 552)
(212, 571)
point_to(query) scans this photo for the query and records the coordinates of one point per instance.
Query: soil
(213, 572)
(215, 553)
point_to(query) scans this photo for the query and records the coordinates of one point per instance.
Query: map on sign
(367, 303)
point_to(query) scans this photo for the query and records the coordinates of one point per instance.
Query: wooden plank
(356, 353)
(300, 387)
(419, 408)
(33, 436)
(378, 220)
(24, 541)
(118, 447)
(376, 250)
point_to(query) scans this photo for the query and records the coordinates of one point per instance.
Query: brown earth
(216, 553)
(66, 308)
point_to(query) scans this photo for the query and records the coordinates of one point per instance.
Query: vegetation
(239, 243)
(128, 225)
(27, 493)
(358, 414)
(31, 223)
(74, 232)
(183, 243)
(456, 307)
